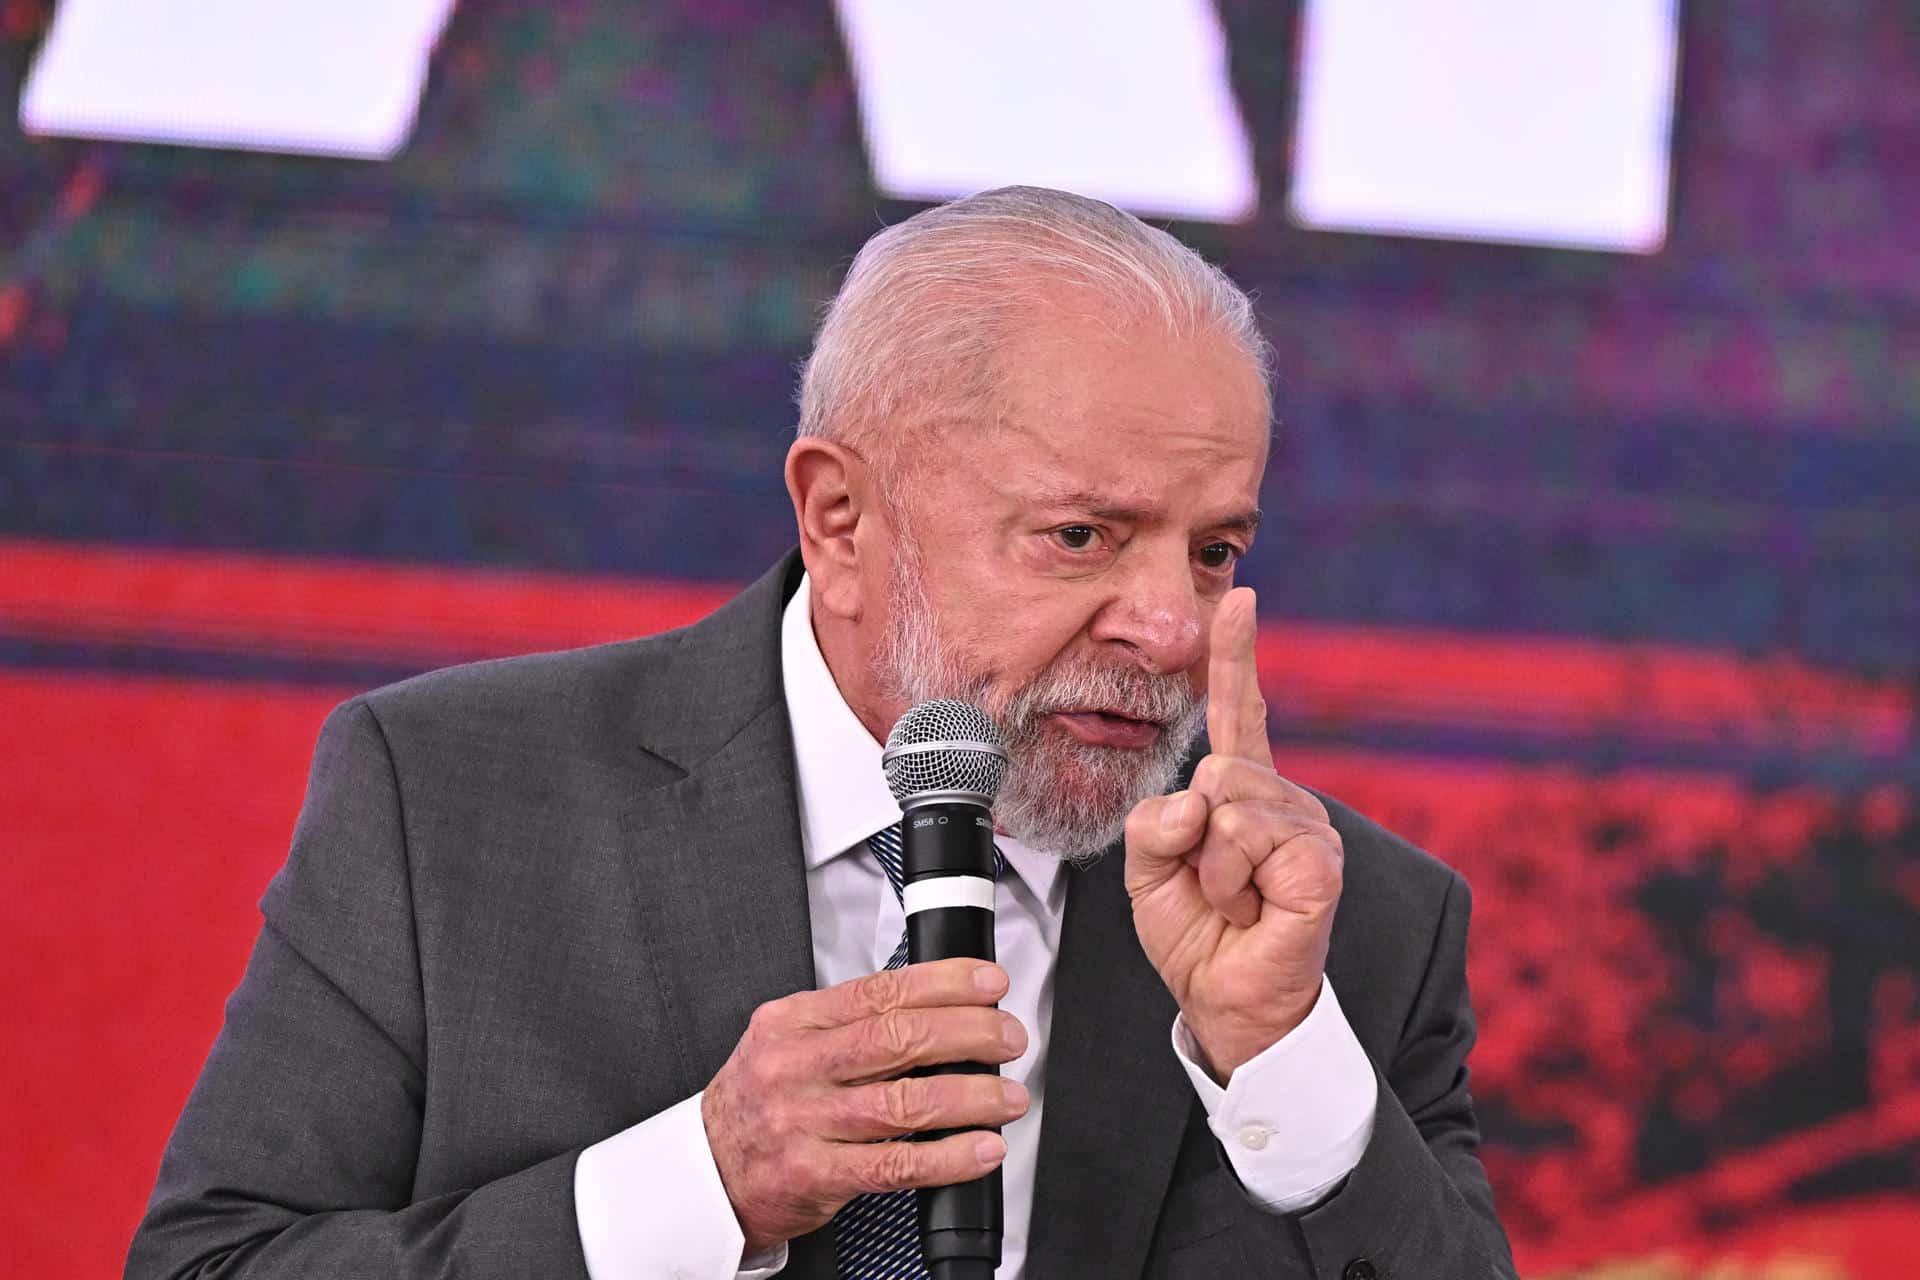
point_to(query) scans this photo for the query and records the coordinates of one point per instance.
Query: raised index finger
(1236, 713)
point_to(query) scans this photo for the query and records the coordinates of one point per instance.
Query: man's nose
(1156, 612)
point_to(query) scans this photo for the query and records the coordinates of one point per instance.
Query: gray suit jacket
(530, 903)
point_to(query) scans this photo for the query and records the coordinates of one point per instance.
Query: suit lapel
(722, 894)
(719, 883)
(1116, 1099)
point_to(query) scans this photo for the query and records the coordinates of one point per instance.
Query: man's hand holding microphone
(794, 1115)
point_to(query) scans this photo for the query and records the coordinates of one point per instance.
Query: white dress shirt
(1294, 1121)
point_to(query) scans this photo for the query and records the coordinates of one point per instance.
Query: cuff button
(1360, 1269)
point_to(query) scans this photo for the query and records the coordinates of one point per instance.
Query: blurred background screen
(1591, 560)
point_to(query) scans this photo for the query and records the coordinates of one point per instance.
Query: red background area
(142, 823)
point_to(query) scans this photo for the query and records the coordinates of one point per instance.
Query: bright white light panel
(339, 78)
(1126, 102)
(1531, 121)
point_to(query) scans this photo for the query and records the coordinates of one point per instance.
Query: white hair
(929, 301)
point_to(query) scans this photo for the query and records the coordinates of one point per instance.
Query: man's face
(1060, 568)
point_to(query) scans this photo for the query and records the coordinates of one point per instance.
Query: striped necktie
(877, 1236)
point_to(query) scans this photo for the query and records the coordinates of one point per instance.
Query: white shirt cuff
(650, 1204)
(1296, 1118)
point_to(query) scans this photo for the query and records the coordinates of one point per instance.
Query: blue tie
(877, 1236)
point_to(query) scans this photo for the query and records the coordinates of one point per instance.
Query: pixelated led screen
(1591, 558)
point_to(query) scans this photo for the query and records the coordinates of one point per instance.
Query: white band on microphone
(947, 891)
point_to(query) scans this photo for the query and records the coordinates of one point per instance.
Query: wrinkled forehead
(1127, 404)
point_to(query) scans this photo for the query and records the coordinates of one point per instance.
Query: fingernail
(989, 980)
(1015, 1093)
(1013, 1034)
(988, 1148)
(1174, 816)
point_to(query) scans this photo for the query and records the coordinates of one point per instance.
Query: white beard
(1061, 796)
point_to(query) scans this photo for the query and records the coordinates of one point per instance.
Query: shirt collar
(843, 793)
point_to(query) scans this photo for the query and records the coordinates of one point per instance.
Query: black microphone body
(942, 844)
(944, 764)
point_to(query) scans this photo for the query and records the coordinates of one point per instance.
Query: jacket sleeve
(295, 1154)
(1418, 1204)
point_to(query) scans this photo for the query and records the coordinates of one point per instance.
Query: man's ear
(828, 485)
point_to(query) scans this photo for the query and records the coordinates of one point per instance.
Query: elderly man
(578, 964)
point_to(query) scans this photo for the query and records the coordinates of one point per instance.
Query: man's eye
(1218, 555)
(1076, 537)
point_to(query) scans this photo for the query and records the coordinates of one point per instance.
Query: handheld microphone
(945, 761)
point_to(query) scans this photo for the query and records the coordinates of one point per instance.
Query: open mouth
(1109, 729)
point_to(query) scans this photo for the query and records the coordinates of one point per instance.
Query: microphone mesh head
(945, 745)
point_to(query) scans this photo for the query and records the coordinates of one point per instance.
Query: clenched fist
(794, 1115)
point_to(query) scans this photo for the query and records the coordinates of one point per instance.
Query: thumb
(1163, 830)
